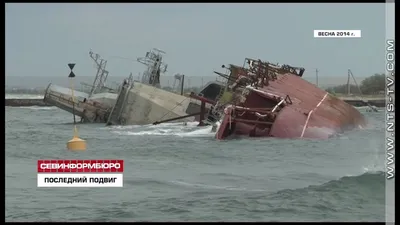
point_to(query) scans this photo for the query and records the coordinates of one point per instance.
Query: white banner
(337, 33)
(80, 180)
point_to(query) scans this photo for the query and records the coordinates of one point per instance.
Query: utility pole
(316, 76)
(348, 81)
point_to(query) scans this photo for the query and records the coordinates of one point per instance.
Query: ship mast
(181, 80)
(101, 75)
(348, 82)
(350, 74)
(155, 66)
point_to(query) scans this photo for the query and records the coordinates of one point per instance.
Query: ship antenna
(101, 74)
(155, 66)
(350, 74)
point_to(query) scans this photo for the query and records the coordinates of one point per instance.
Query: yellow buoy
(75, 144)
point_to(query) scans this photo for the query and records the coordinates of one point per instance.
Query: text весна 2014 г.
(337, 33)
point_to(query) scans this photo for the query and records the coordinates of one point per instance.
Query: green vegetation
(373, 85)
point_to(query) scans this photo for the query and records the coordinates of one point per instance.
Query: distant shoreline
(23, 96)
(21, 100)
(25, 102)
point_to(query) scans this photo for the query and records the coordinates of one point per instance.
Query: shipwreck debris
(144, 102)
(262, 99)
(92, 106)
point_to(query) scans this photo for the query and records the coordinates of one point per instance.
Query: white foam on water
(130, 127)
(377, 160)
(23, 96)
(150, 126)
(320, 130)
(140, 133)
(189, 129)
(201, 131)
(38, 107)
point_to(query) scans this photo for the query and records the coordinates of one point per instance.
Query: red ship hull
(307, 112)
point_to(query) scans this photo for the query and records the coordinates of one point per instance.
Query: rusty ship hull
(274, 101)
(309, 113)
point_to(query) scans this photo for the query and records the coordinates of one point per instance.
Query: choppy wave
(348, 194)
(346, 199)
(169, 179)
(372, 182)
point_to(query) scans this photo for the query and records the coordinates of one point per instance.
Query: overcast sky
(198, 38)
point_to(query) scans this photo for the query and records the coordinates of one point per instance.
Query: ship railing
(262, 116)
(60, 98)
(285, 68)
(109, 88)
(79, 104)
(85, 87)
(221, 79)
(259, 110)
(253, 77)
(253, 121)
(269, 71)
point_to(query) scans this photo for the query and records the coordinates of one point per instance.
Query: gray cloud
(42, 38)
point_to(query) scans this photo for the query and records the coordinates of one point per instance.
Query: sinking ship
(135, 102)
(262, 99)
(93, 104)
(144, 102)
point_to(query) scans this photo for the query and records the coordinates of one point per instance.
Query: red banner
(80, 166)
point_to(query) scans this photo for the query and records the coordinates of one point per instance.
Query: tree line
(374, 84)
(371, 85)
(185, 90)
